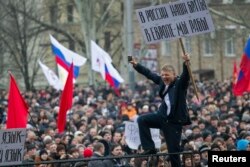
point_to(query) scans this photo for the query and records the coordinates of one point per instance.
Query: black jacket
(177, 94)
(96, 163)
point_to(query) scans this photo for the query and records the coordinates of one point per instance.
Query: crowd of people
(95, 124)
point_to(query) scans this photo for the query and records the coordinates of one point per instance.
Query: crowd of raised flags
(68, 64)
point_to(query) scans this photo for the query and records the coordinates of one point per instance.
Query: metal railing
(85, 161)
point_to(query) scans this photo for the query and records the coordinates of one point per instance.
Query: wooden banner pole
(189, 69)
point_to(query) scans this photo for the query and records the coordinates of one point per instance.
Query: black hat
(43, 152)
(30, 147)
(203, 148)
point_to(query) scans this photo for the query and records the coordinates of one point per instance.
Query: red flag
(243, 81)
(66, 101)
(242, 84)
(248, 88)
(17, 108)
(245, 60)
(235, 74)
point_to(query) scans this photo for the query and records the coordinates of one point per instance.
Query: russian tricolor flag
(64, 57)
(242, 84)
(245, 61)
(102, 63)
(243, 81)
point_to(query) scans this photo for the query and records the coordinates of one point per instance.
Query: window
(53, 14)
(71, 45)
(229, 43)
(70, 11)
(166, 48)
(207, 45)
(107, 40)
(188, 45)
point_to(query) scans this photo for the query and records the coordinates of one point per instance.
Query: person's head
(92, 132)
(215, 147)
(116, 150)
(50, 132)
(43, 155)
(204, 151)
(145, 109)
(196, 130)
(65, 139)
(99, 147)
(60, 149)
(57, 138)
(187, 160)
(140, 149)
(243, 145)
(117, 137)
(78, 135)
(80, 148)
(52, 148)
(214, 121)
(196, 157)
(207, 136)
(167, 73)
(107, 135)
(221, 126)
(31, 149)
(132, 162)
(74, 152)
(47, 143)
(220, 142)
(201, 125)
(31, 136)
(87, 152)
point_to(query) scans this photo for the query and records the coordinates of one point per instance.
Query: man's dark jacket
(177, 91)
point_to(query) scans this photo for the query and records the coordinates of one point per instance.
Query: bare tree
(20, 38)
(96, 19)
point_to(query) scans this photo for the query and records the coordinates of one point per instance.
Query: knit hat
(242, 145)
(203, 148)
(87, 153)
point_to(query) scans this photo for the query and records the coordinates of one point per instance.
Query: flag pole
(189, 70)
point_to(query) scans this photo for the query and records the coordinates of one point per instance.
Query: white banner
(132, 137)
(174, 20)
(12, 146)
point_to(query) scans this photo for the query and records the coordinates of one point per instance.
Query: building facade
(212, 54)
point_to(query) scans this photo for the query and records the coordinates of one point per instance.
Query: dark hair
(214, 145)
(72, 150)
(43, 152)
(113, 146)
(185, 156)
(60, 147)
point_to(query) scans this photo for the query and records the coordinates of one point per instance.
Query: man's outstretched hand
(186, 57)
(133, 61)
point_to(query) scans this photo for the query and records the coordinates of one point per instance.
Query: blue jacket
(177, 94)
